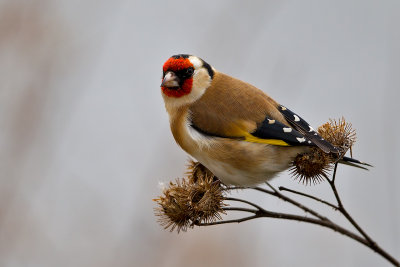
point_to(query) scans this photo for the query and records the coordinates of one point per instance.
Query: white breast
(221, 159)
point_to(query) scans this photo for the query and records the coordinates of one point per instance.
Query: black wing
(271, 129)
(303, 127)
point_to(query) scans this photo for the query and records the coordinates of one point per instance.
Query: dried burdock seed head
(197, 171)
(206, 199)
(173, 209)
(195, 199)
(314, 165)
(311, 167)
(339, 133)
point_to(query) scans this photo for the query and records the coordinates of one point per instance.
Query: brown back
(230, 104)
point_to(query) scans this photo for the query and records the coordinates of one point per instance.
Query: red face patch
(176, 65)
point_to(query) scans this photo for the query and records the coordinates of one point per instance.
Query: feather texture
(231, 108)
(303, 127)
(234, 129)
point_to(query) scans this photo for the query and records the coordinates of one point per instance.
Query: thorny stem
(320, 220)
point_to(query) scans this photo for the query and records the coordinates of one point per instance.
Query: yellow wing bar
(275, 142)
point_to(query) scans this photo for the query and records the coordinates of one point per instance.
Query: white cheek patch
(201, 81)
(196, 62)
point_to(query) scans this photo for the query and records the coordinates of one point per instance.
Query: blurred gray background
(85, 139)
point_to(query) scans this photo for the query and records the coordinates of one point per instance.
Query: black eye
(189, 71)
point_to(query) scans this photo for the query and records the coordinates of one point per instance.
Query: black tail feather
(347, 159)
(354, 163)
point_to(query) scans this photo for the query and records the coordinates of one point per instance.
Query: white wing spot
(287, 130)
(309, 142)
(271, 121)
(283, 108)
(315, 134)
(311, 128)
(301, 140)
(296, 118)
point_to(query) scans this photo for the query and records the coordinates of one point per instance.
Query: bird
(237, 131)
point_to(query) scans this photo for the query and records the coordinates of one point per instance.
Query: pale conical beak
(170, 80)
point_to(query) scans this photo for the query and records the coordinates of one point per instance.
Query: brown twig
(227, 221)
(343, 210)
(260, 212)
(239, 209)
(281, 188)
(277, 215)
(276, 193)
(244, 201)
(370, 243)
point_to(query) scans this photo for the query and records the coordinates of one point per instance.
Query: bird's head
(185, 79)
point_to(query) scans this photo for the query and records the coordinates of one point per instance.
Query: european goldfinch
(234, 129)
